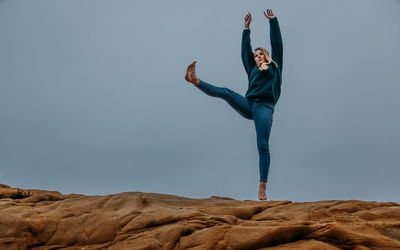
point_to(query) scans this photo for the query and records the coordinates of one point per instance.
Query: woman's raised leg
(236, 101)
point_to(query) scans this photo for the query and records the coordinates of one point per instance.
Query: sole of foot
(190, 75)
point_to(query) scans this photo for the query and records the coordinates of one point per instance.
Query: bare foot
(262, 195)
(191, 74)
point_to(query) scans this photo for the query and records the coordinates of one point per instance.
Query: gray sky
(93, 99)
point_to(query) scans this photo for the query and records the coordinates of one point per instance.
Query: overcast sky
(93, 98)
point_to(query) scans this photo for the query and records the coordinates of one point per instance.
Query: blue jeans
(259, 111)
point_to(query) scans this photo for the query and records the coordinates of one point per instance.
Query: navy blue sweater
(264, 84)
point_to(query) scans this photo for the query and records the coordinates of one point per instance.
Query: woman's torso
(264, 84)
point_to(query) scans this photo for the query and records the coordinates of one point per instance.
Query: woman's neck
(263, 66)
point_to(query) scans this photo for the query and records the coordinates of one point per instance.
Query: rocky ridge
(40, 219)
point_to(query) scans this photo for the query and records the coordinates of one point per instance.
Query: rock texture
(50, 220)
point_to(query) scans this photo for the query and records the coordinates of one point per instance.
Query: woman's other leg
(236, 101)
(263, 116)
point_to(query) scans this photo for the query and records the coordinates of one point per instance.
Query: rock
(48, 220)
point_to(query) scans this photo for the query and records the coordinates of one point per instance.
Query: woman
(265, 76)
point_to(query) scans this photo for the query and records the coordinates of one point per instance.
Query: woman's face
(259, 57)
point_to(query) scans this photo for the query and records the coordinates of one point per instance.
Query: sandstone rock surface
(51, 220)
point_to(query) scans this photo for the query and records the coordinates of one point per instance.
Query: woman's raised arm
(276, 38)
(247, 53)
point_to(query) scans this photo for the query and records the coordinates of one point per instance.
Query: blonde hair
(267, 56)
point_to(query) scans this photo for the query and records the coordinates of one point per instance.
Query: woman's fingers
(269, 14)
(247, 18)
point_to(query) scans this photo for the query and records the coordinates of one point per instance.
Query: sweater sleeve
(247, 53)
(276, 42)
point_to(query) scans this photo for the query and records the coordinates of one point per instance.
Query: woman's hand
(269, 14)
(247, 21)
